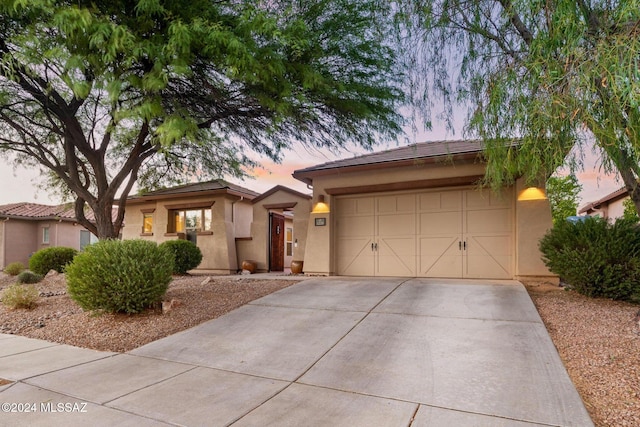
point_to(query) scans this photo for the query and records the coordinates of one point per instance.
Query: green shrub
(20, 296)
(48, 259)
(186, 255)
(596, 258)
(119, 276)
(28, 277)
(14, 268)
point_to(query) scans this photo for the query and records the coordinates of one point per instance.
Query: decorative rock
(51, 273)
(205, 281)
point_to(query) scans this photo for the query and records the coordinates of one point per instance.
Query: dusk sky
(21, 185)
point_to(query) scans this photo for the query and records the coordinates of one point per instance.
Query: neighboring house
(227, 222)
(610, 207)
(28, 227)
(418, 211)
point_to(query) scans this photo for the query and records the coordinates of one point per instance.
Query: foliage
(630, 213)
(101, 95)
(537, 78)
(14, 268)
(28, 277)
(119, 276)
(54, 258)
(563, 194)
(186, 255)
(596, 258)
(20, 296)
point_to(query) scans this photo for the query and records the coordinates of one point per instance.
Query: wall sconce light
(532, 193)
(321, 206)
(295, 243)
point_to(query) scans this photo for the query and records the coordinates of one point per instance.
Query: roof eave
(307, 176)
(205, 193)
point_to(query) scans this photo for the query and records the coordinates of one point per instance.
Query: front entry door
(276, 233)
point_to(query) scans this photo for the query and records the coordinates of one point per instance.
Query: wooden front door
(276, 233)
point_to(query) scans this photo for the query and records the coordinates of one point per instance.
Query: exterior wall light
(321, 206)
(532, 193)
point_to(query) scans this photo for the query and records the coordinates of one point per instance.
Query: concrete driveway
(324, 352)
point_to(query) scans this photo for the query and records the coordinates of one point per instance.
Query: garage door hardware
(374, 246)
(462, 245)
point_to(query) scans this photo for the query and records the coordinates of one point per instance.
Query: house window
(289, 240)
(45, 235)
(147, 223)
(190, 220)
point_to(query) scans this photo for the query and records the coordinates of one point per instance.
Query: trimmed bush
(14, 268)
(48, 259)
(119, 276)
(20, 296)
(186, 255)
(596, 258)
(28, 277)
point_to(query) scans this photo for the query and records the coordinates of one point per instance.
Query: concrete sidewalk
(324, 352)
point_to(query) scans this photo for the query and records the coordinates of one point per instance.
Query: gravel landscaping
(598, 339)
(599, 343)
(189, 302)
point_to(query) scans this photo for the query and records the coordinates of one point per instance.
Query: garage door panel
(435, 223)
(397, 256)
(355, 257)
(488, 221)
(355, 206)
(439, 201)
(440, 257)
(396, 203)
(355, 226)
(489, 256)
(475, 199)
(395, 225)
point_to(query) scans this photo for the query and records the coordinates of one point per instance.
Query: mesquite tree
(101, 95)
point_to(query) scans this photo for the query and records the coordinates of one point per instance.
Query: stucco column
(533, 220)
(317, 255)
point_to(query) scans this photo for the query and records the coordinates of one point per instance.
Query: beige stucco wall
(218, 247)
(61, 233)
(616, 209)
(257, 249)
(533, 220)
(20, 239)
(242, 217)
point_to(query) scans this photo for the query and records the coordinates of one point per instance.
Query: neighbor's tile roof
(611, 197)
(35, 211)
(198, 187)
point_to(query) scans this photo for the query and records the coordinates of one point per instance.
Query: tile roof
(198, 187)
(410, 152)
(35, 211)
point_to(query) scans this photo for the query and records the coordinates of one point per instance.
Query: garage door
(460, 233)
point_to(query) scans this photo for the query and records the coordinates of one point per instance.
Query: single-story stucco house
(229, 223)
(610, 207)
(417, 211)
(28, 227)
(414, 211)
